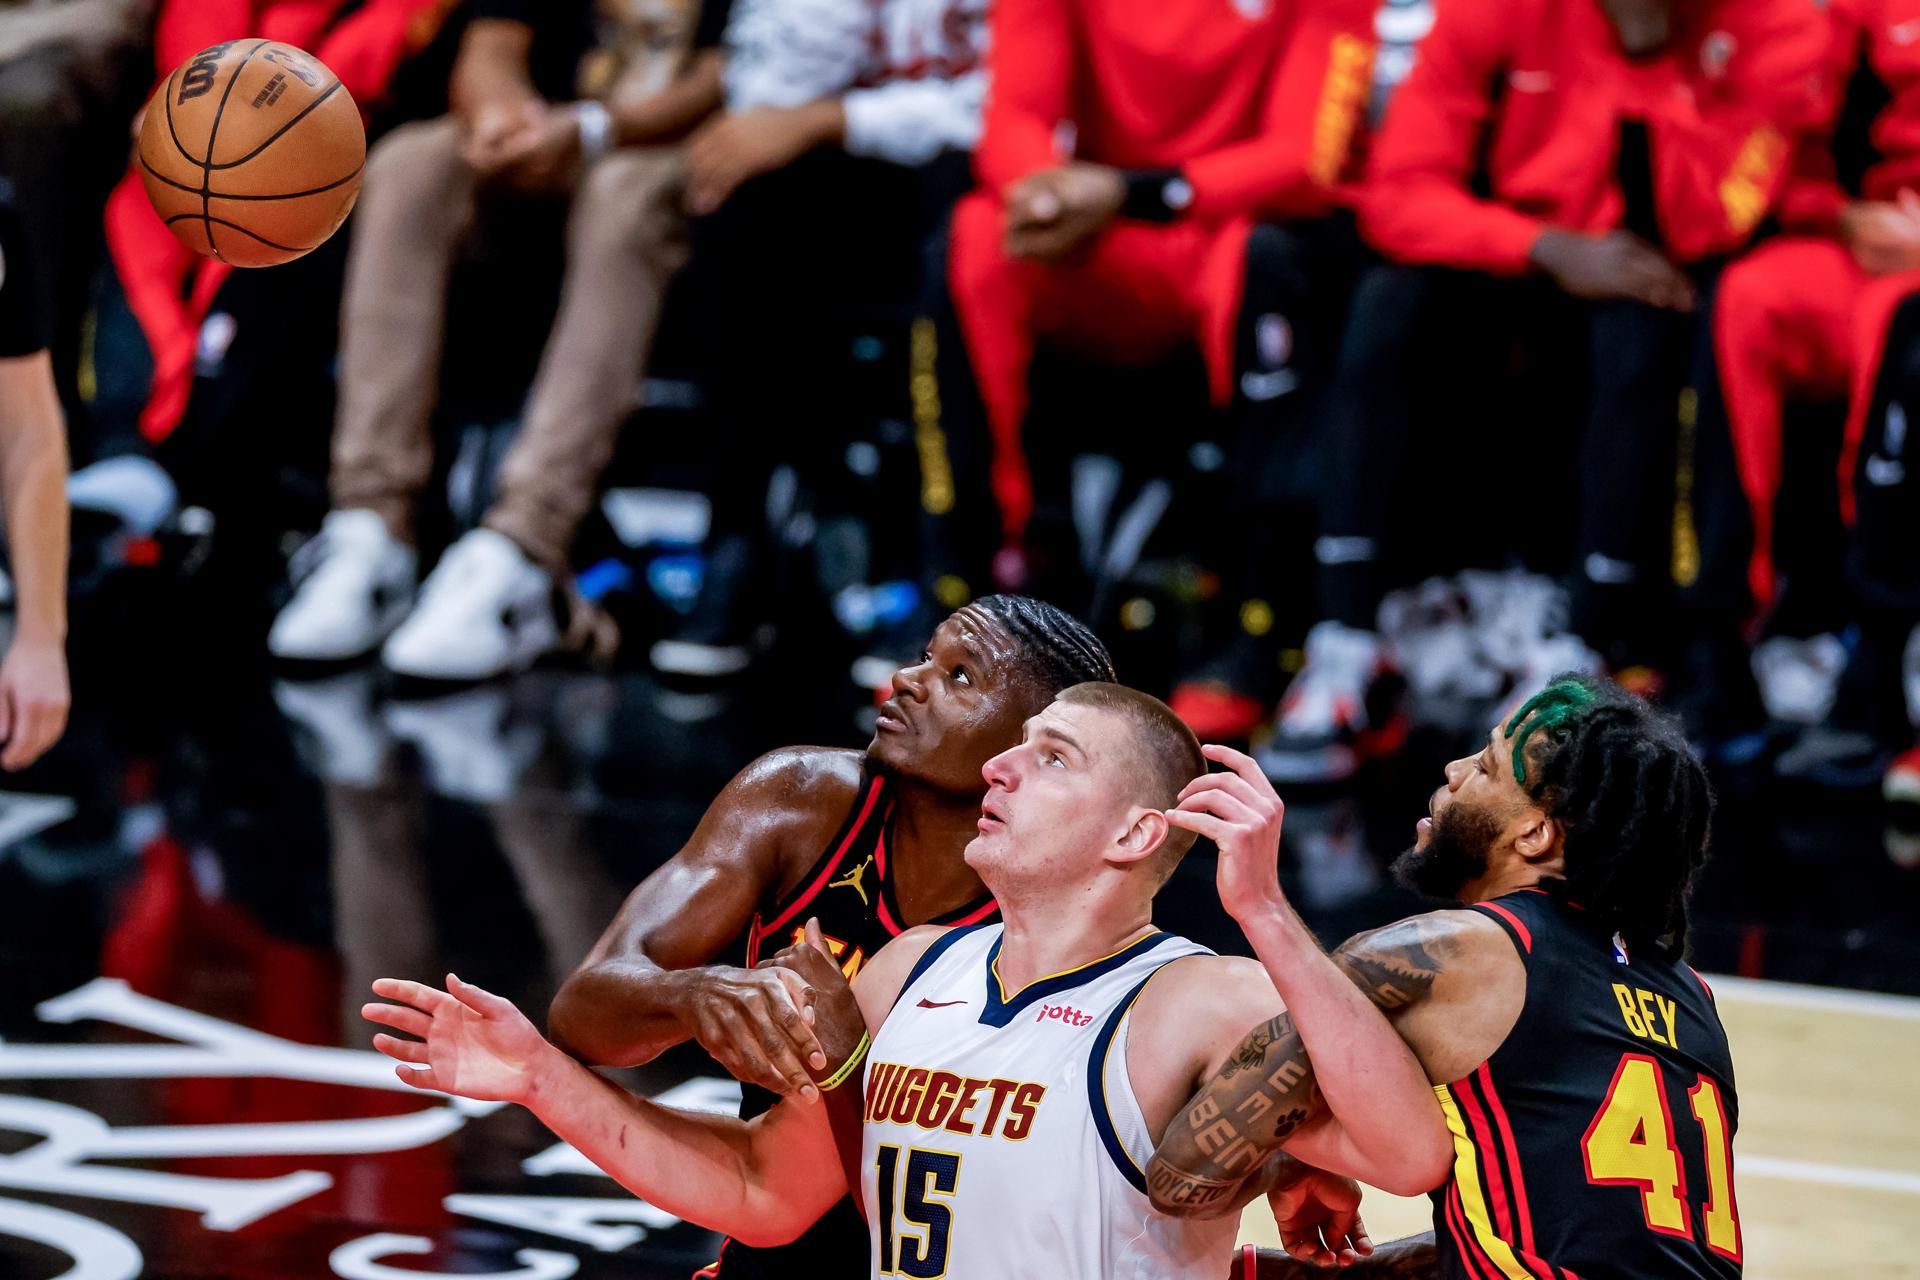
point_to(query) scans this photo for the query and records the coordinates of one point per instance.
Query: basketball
(252, 152)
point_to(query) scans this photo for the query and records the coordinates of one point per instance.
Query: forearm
(1414, 1257)
(674, 111)
(1370, 1080)
(698, 1166)
(33, 493)
(1428, 222)
(620, 1012)
(492, 66)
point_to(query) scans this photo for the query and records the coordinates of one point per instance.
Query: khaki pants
(624, 242)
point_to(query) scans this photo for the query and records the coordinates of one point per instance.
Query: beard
(1455, 854)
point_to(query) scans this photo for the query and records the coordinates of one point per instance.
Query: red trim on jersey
(1479, 1265)
(1489, 1164)
(826, 873)
(1519, 926)
(1521, 1208)
(1249, 1262)
(986, 909)
(880, 893)
(1702, 981)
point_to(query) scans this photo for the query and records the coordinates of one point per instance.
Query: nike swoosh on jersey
(937, 1004)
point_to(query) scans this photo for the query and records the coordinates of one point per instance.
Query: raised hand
(1242, 814)
(471, 1042)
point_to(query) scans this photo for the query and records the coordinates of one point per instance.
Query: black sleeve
(22, 319)
(712, 26)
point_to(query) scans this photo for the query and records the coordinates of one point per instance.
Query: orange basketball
(252, 152)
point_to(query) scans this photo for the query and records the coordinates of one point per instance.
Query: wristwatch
(1156, 195)
(596, 129)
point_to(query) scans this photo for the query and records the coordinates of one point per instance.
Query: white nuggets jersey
(1002, 1139)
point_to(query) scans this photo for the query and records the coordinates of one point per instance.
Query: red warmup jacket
(1881, 37)
(1537, 91)
(1258, 102)
(168, 287)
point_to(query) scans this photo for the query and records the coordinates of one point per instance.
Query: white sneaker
(1435, 646)
(353, 586)
(1514, 613)
(484, 610)
(1798, 678)
(1545, 659)
(1326, 728)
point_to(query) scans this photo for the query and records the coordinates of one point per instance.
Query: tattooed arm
(1395, 1136)
(1269, 1094)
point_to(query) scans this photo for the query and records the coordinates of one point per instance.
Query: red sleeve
(298, 23)
(369, 46)
(1418, 206)
(363, 50)
(1316, 108)
(1812, 199)
(1030, 61)
(1722, 153)
(183, 28)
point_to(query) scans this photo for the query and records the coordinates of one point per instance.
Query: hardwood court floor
(1827, 1160)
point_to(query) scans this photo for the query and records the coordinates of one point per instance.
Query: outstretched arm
(1385, 1125)
(762, 1181)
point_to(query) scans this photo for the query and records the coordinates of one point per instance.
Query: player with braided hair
(869, 842)
(1579, 1060)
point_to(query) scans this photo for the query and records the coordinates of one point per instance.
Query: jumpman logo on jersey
(854, 880)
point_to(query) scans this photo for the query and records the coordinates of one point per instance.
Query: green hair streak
(1559, 703)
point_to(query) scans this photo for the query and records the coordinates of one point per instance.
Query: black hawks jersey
(850, 890)
(1597, 1142)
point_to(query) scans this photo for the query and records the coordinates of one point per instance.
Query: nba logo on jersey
(1620, 950)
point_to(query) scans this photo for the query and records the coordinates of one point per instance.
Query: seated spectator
(1821, 314)
(33, 476)
(1210, 145)
(1542, 182)
(514, 132)
(839, 154)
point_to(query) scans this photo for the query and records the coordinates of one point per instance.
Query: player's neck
(1500, 883)
(931, 830)
(1053, 937)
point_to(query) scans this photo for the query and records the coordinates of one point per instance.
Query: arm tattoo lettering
(1265, 1090)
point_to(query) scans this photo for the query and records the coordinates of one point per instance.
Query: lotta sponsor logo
(1063, 1013)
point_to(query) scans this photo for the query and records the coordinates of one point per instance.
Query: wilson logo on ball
(198, 77)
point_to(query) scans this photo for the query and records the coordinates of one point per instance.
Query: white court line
(1798, 996)
(1833, 1175)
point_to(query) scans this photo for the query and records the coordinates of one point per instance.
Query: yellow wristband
(839, 1077)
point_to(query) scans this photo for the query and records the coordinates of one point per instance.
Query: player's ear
(1538, 840)
(1147, 829)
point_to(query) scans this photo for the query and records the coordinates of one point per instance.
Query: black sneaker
(718, 640)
